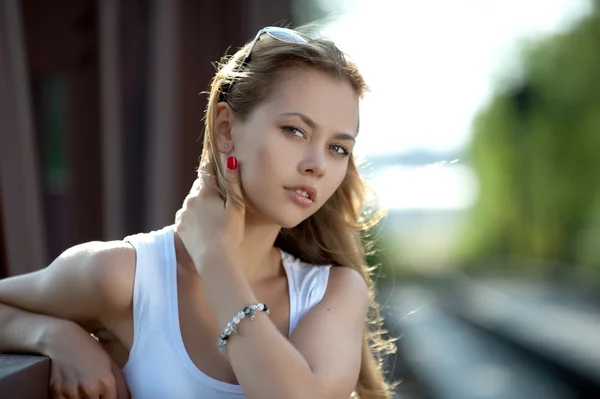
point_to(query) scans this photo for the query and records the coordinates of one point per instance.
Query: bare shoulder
(104, 272)
(108, 265)
(89, 283)
(98, 256)
(346, 285)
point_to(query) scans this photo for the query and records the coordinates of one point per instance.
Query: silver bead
(236, 320)
(241, 315)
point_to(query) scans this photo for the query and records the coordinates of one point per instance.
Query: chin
(290, 225)
(284, 216)
(289, 220)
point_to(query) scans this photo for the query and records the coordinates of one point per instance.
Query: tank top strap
(155, 269)
(307, 286)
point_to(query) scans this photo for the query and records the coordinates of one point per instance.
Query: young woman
(260, 289)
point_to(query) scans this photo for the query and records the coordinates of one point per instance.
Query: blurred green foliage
(536, 151)
(307, 11)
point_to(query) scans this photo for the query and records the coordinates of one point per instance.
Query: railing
(508, 338)
(24, 376)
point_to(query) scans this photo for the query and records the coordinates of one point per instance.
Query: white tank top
(159, 366)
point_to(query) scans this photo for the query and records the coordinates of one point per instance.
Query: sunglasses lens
(281, 34)
(285, 35)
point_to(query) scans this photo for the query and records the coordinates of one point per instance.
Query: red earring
(232, 163)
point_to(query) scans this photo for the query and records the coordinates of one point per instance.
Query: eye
(293, 131)
(338, 149)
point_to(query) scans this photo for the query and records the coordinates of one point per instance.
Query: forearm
(265, 363)
(25, 332)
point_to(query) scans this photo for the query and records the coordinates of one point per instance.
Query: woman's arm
(323, 356)
(25, 332)
(79, 363)
(49, 311)
(86, 284)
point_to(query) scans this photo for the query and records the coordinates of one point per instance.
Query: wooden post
(22, 213)
(162, 176)
(112, 121)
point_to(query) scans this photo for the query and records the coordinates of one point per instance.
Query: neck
(259, 259)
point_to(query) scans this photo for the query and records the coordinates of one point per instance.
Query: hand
(208, 223)
(80, 368)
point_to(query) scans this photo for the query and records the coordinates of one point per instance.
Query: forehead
(332, 103)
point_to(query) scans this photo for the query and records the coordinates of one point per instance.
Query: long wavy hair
(336, 233)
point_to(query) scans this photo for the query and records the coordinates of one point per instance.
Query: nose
(313, 164)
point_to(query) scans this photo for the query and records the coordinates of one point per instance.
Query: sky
(432, 65)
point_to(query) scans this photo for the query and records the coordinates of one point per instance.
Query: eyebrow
(313, 125)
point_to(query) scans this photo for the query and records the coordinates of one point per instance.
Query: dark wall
(112, 101)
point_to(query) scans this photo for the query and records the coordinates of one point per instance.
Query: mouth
(302, 195)
(307, 192)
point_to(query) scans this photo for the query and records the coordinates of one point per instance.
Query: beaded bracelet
(232, 325)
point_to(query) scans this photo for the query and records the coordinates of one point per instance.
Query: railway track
(462, 339)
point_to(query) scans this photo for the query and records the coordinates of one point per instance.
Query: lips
(302, 193)
(308, 192)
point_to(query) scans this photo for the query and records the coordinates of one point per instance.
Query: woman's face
(293, 149)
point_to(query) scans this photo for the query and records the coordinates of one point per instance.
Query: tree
(536, 151)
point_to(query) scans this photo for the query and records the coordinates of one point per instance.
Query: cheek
(267, 159)
(260, 167)
(335, 181)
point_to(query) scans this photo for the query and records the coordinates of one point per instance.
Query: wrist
(215, 256)
(51, 333)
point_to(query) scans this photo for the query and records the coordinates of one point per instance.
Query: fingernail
(232, 163)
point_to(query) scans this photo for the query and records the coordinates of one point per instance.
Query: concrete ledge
(24, 376)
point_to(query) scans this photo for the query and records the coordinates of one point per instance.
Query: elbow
(305, 393)
(313, 390)
(293, 389)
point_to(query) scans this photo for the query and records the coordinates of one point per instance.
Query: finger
(207, 178)
(71, 392)
(207, 172)
(232, 175)
(55, 394)
(196, 186)
(121, 389)
(91, 390)
(110, 392)
(206, 167)
(56, 389)
(69, 389)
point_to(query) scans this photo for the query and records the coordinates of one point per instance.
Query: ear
(222, 129)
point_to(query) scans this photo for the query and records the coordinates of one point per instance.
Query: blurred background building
(101, 113)
(481, 136)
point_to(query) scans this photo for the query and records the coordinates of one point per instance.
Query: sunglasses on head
(277, 33)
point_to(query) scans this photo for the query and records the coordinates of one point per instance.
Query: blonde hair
(335, 233)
